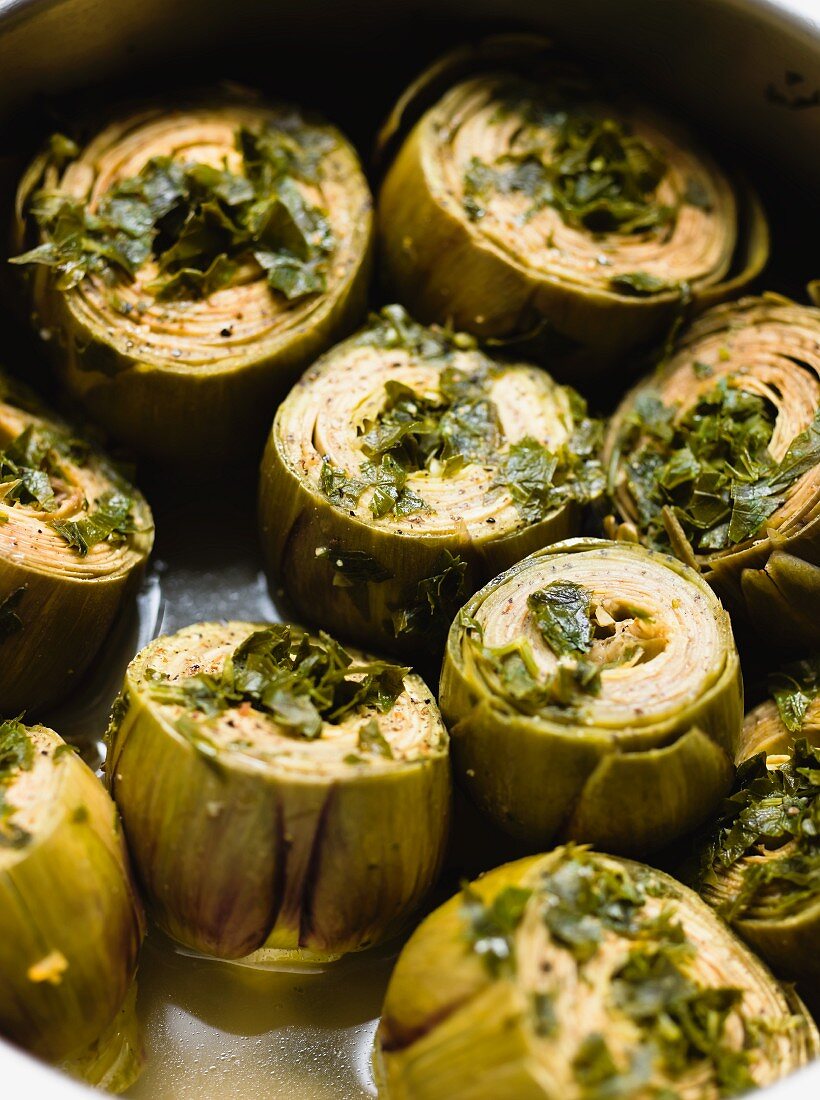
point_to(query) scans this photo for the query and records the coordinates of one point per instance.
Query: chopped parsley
(440, 433)
(372, 740)
(432, 604)
(709, 470)
(540, 481)
(10, 621)
(595, 172)
(27, 466)
(31, 468)
(16, 755)
(352, 568)
(110, 521)
(490, 926)
(300, 680)
(773, 812)
(562, 613)
(198, 222)
(793, 689)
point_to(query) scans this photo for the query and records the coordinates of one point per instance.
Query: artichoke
(529, 197)
(70, 924)
(760, 861)
(593, 693)
(578, 975)
(280, 795)
(189, 261)
(407, 468)
(716, 458)
(74, 537)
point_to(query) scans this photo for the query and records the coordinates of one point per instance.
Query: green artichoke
(407, 468)
(280, 795)
(188, 263)
(760, 860)
(74, 538)
(593, 692)
(70, 923)
(716, 458)
(575, 975)
(529, 196)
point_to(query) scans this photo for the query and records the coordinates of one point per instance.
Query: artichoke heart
(282, 797)
(70, 923)
(575, 975)
(406, 468)
(716, 458)
(593, 693)
(189, 261)
(74, 538)
(759, 862)
(530, 196)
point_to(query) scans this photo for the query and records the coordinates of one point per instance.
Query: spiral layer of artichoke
(391, 578)
(767, 348)
(248, 839)
(485, 222)
(70, 923)
(58, 598)
(629, 766)
(525, 985)
(183, 380)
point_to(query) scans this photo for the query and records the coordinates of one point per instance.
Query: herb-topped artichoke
(529, 196)
(791, 712)
(70, 924)
(716, 458)
(760, 861)
(190, 261)
(278, 792)
(593, 692)
(74, 537)
(407, 468)
(577, 975)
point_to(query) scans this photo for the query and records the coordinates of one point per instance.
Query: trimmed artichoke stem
(188, 382)
(770, 581)
(447, 267)
(577, 772)
(456, 1025)
(238, 855)
(63, 603)
(67, 965)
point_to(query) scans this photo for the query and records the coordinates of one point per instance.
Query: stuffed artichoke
(407, 468)
(593, 692)
(760, 861)
(716, 458)
(70, 924)
(279, 794)
(529, 196)
(576, 975)
(74, 537)
(189, 261)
